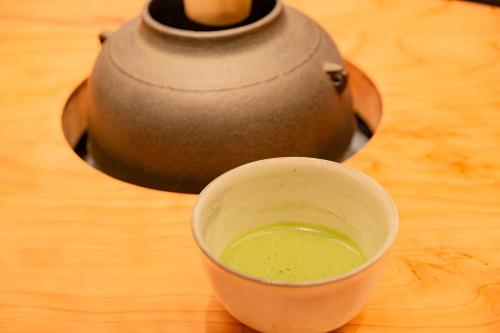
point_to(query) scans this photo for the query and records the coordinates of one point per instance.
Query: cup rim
(393, 213)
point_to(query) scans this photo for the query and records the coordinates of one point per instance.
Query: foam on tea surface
(292, 252)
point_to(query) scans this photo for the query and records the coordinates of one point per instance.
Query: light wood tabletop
(83, 252)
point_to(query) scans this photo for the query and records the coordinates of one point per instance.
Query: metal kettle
(174, 104)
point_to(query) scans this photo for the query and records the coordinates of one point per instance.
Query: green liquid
(292, 252)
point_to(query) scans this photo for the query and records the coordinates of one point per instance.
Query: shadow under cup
(303, 190)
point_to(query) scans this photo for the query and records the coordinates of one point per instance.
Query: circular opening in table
(366, 101)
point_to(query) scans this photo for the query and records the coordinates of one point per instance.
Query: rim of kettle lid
(165, 29)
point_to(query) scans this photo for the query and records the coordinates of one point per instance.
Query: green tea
(292, 252)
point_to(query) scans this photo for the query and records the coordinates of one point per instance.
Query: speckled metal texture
(174, 108)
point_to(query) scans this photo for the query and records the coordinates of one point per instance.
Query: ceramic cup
(303, 190)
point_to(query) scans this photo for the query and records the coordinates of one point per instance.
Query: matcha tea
(292, 252)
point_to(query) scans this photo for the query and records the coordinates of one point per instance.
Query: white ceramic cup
(297, 189)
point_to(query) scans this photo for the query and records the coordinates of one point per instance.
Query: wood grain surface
(82, 252)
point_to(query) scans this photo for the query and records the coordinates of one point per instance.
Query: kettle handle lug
(104, 35)
(338, 75)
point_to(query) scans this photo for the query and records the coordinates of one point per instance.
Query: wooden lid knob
(217, 12)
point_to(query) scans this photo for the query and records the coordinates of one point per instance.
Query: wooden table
(82, 252)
